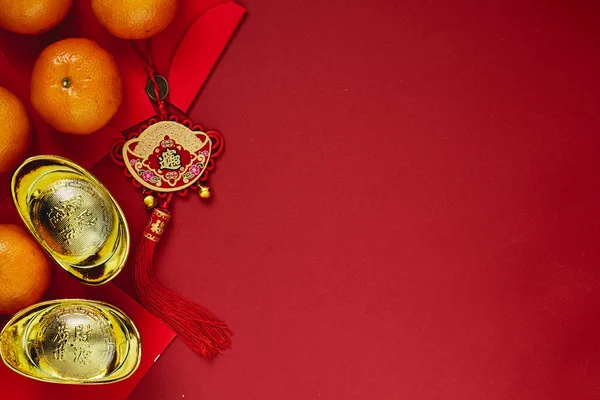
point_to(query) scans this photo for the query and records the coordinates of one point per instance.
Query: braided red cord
(162, 109)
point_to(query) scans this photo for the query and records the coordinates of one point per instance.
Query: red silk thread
(200, 330)
(162, 109)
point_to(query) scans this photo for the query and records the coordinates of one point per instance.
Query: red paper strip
(187, 50)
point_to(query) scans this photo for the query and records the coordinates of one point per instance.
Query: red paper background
(407, 207)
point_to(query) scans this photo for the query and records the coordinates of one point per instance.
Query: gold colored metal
(71, 341)
(163, 88)
(73, 216)
(204, 192)
(138, 151)
(149, 202)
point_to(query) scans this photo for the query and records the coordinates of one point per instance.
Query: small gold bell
(149, 202)
(204, 192)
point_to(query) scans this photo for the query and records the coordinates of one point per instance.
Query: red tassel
(201, 330)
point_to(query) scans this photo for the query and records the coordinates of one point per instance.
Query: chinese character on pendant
(169, 159)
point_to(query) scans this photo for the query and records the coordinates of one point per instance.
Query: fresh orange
(135, 19)
(76, 86)
(25, 270)
(32, 16)
(15, 136)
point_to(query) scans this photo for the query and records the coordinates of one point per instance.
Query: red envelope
(187, 50)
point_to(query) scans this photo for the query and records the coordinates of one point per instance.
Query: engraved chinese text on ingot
(71, 341)
(74, 341)
(73, 216)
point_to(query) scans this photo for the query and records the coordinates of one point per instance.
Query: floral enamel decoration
(167, 156)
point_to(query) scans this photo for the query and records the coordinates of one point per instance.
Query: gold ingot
(71, 341)
(73, 216)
